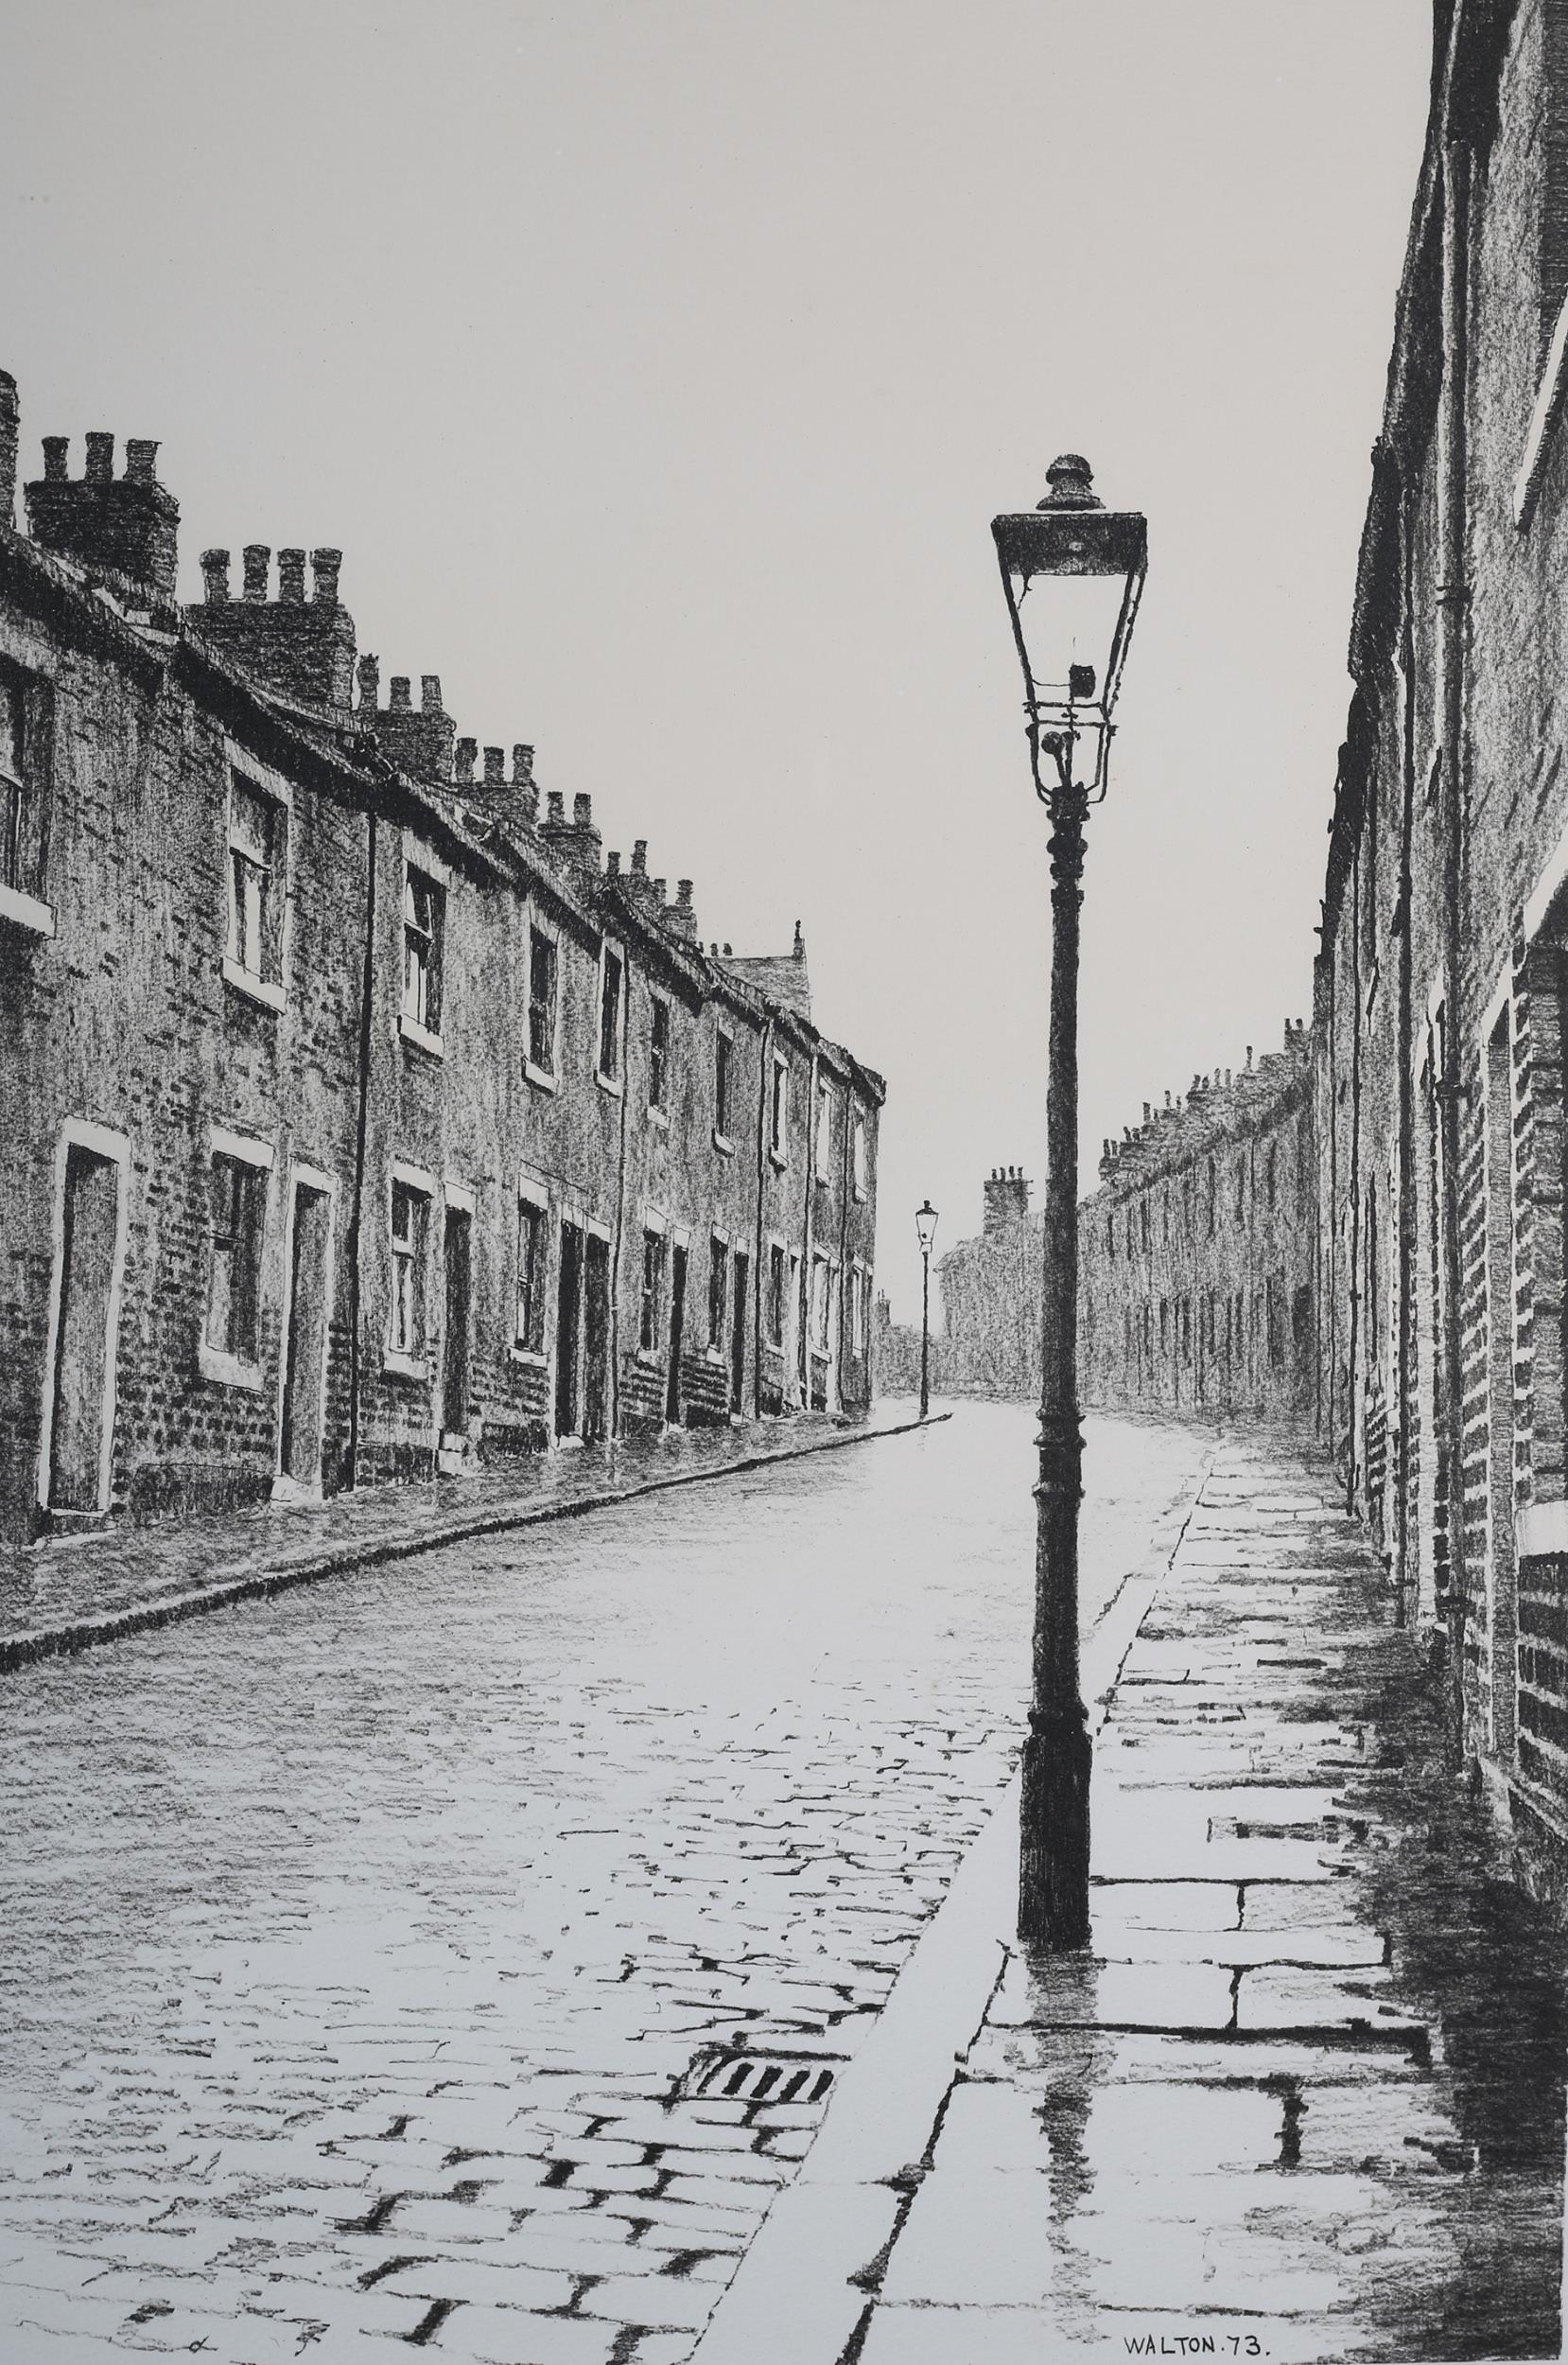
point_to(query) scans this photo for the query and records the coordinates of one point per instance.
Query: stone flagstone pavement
(1303, 2097)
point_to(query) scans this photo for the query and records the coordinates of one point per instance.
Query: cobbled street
(460, 1953)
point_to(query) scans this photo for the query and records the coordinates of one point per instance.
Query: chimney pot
(727, 951)
(429, 694)
(555, 806)
(215, 576)
(462, 761)
(800, 943)
(398, 701)
(683, 895)
(324, 566)
(660, 889)
(257, 556)
(494, 767)
(639, 857)
(141, 460)
(291, 577)
(612, 864)
(100, 458)
(56, 451)
(1250, 1055)
(370, 685)
(1146, 1112)
(581, 810)
(522, 763)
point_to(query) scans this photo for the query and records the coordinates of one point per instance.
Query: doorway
(81, 1420)
(458, 1271)
(304, 1360)
(673, 1406)
(568, 1318)
(738, 1335)
(596, 1338)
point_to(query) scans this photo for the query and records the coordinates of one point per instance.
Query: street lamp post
(1072, 572)
(925, 1229)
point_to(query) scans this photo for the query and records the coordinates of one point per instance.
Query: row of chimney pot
(580, 838)
(141, 457)
(1295, 1033)
(257, 560)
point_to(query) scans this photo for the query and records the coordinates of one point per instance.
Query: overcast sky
(659, 364)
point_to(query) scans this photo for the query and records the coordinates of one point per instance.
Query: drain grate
(799, 2078)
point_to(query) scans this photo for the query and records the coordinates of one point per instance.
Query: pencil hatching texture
(361, 1120)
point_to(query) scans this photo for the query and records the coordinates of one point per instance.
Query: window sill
(715, 1356)
(405, 1366)
(723, 1144)
(860, 1197)
(530, 1357)
(778, 1162)
(257, 988)
(540, 1075)
(421, 1037)
(228, 1370)
(25, 911)
(656, 1116)
(650, 1360)
(611, 1084)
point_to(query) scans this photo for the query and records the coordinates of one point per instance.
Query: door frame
(312, 1179)
(103, 1142)
(457, 1199)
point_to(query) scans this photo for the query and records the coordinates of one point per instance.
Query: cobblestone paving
(379, 1959)
(66, 1592)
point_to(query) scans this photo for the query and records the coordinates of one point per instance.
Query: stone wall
(270, 1120)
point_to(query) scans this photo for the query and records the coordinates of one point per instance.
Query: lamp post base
(1054, 1831)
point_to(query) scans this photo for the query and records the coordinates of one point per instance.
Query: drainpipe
(843, 1234)
(763, 1090)
(355, 1229)
(621, 1195)
(1454, 603)
(807, 1276)
(1407, 1190)
(1353, 1276)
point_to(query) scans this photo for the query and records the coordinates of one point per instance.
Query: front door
(677, 1331)
(453, 1345)
(83, 1411)
(595, 1337)
(304, 1368)
(738, 1337)
(569, 1316)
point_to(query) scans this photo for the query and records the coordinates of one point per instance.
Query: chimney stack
(681, 916)
(124, 529)
(1006, 1202)
(369, 673)
(462, 762)
(494, 767)
(576, 842)
(300, 649)
(215, 577)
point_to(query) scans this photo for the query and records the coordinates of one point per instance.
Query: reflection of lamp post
(925, 1229)
(1072, 572)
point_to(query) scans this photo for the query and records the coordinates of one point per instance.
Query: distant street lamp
(925, 1228)
(1072, 572)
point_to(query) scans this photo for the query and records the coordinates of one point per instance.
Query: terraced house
(1440, 986)
(358, 1118)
